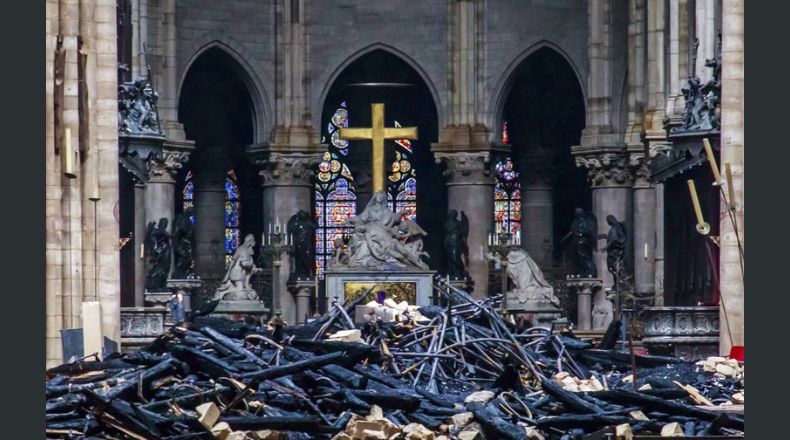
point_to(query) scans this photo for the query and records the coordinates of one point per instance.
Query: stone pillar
(636, 74)
(584, 308)
(611, 194)
(705, 32)
(659, 247)
(732, 152)
(139, 239)
(537, 203)
(287, 188)
(470, 188)
(209, 216)
(643, 238)
(159, 198)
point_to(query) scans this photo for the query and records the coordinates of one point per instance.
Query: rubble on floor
(457, 372)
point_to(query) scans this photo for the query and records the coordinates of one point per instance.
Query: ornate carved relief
(467, 167)
(165, 165)
(605, 169)
(289, 169)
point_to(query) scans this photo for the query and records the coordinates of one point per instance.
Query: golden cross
(377, 133)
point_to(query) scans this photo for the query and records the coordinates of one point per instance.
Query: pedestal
(414, 287)
(158, 298)
(690, 332)
(141, 325)
(584, 289)
(302, 291)
(187, 287)
(238, 310)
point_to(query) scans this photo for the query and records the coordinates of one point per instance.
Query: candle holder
(273, 245)
(499, 245)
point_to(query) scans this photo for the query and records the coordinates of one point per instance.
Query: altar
(413, 286)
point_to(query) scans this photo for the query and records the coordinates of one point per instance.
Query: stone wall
(74, 235)
(339, 31)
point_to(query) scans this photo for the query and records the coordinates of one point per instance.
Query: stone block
(208, 414)
(479, 396)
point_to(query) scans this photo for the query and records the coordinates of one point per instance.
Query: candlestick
(702, 227)
(67, 156)
(730, 188)
(712, 161)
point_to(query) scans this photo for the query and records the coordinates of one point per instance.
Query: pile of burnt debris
(459, 372)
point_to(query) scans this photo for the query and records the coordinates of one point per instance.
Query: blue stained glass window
(232, 212)
(188, 195)
(232, 216)
(335, 197)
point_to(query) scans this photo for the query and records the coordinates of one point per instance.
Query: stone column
(209, 216)
(287, 188)
(159, 198)
(470, 188)
(537, 203)
(659, 247)
(643, 237)
(732, 151)
(611, 194)
(705, 32)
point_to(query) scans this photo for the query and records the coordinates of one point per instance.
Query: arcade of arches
(522, 117)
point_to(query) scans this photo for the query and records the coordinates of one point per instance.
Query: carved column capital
(466, 168)
(640, 169)
(165, 165)
(606, 169)
(289, 169)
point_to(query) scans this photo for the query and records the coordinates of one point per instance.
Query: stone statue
(302, 229)
(702, 100)
(602, 311)
(616, 241)
(157, 240)
(377, 243)
(584, 233)
(340, 253)
(411, 234)
(528, 281)
(456, 249)
(137, 108)
(235, 285)
(183, 237)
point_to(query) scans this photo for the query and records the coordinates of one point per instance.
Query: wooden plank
(92, 335)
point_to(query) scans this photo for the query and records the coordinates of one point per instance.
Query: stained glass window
(402, 188)
(188, 195)
(335, 197)
(232, 210)
(507, 199)
(232, 213)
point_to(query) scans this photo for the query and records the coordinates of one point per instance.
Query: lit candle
(712, 161)
(67, 138)
(645, 251)
(695, 202)
(730, 188)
